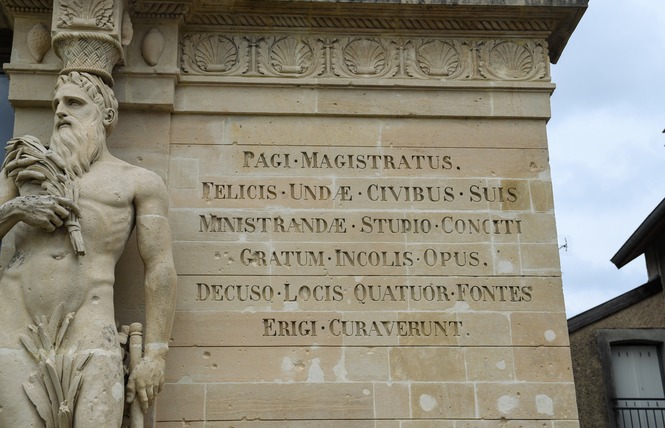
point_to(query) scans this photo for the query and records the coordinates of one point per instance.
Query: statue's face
(79, 129)
(73, 106)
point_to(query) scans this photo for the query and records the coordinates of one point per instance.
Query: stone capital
(88, 36)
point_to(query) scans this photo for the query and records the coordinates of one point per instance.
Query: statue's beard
(78, 146)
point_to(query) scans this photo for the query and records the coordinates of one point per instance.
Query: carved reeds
(29, 161)
(54, 387)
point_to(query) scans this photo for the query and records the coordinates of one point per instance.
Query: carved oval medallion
(152, 46)
(39, 42)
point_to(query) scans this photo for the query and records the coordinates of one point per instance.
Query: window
(638, 386)
(633, 376)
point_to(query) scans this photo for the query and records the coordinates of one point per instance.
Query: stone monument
(71, 207)
(360, 200)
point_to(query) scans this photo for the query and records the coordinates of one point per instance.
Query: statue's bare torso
(47, 278)
(45, 271)
(107, 218)
(47, 261)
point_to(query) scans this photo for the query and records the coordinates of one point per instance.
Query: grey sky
(606, 144)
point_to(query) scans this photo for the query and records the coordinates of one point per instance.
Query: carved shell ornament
(365, 57)
(513, 61)
(289, 57)
(216, 54)
(39, 42)
(86, 14)
(211, 53)
(438, 59)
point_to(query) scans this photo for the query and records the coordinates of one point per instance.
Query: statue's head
(96, 90)
(85, 113)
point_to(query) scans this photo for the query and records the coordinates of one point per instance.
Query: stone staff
(135, 355)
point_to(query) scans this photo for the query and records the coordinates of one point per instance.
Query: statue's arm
(8, 211)
(154, 244)
(46, 212)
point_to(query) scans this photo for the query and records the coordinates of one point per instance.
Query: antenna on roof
(565, 244)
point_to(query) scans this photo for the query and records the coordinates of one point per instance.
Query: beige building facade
(360, 201)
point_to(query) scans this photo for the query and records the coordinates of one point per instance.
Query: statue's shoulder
(127, 172)
(147, 185)
(137, 182)
(142, 176)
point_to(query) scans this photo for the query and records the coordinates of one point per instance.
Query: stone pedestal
(361, 207)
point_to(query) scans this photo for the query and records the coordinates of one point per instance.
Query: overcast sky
(606, 143)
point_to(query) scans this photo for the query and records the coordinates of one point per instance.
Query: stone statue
(73, 206)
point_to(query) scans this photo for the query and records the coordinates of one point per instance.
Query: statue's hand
(22, 164)
(146, 380)
(43, 211)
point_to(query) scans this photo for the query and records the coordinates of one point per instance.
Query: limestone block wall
(361, 209)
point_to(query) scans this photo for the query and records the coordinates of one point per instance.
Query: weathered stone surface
(361, 205)
(70, 207)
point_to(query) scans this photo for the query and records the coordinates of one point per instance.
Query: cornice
(27, 6)
(161, 10)
(550, 20)
(399, 24)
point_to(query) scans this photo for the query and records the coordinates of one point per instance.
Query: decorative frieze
(217, 54)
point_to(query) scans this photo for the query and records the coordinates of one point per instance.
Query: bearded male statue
(73, 206)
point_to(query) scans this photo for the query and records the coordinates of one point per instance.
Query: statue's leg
(101, 399)
(16, 410)
(93, 333)
(16, 366)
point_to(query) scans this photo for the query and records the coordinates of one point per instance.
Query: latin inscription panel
(310, 242)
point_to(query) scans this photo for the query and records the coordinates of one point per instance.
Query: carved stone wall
(361, 206)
